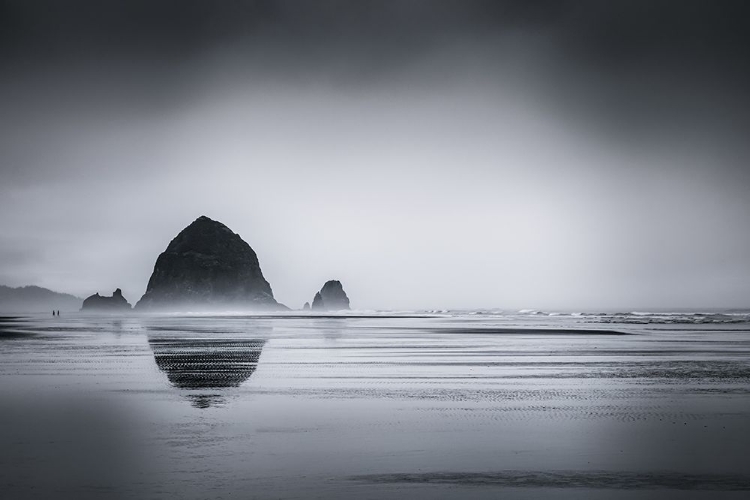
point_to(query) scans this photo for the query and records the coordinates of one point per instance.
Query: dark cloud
(609, 33)
(661, 32)
(606, 140)
(678, 61)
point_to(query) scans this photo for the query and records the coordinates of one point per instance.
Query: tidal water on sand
(440, 405)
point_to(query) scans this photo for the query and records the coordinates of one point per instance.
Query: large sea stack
(331, 297)
(207, 267)
(114, 303)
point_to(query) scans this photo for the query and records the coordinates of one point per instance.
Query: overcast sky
(428, 154)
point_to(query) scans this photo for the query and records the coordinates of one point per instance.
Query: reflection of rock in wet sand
(202, 363)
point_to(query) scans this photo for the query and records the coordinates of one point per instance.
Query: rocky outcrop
(317, 301)
(101, 303)
(331, 297)
(207, 267)
(306, 307)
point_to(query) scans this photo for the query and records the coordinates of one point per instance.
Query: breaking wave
(629, 317)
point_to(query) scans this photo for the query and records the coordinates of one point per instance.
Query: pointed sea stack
(207, 267)
(331, 297)
(100, 303)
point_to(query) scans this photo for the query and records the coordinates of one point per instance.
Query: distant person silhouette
(58, 312)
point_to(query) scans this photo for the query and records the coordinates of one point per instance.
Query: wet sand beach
(446, 405)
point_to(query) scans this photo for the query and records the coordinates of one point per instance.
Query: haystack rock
(331, 297)
(207, 267)
(101, 303)
(306, 307)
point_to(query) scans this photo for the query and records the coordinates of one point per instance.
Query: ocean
(436, 404)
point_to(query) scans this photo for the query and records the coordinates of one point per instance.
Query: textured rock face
(318, 301)
(100, 303)
(207, 266)
(331, 297)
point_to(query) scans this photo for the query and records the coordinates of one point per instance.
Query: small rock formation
(331, 297)
(101, 303)
(205, 267)
(306, 307)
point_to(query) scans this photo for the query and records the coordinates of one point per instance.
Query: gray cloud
(428, 154)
